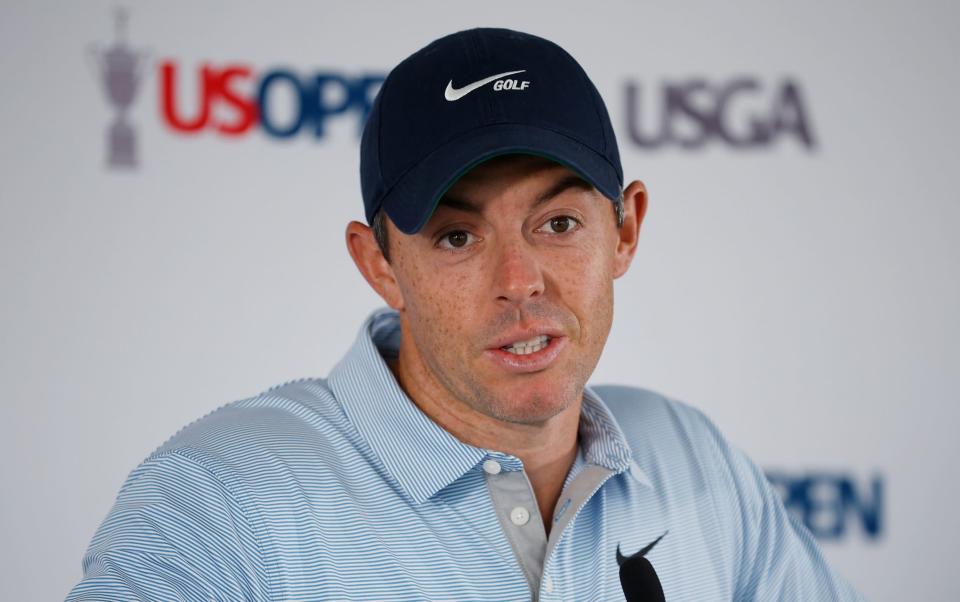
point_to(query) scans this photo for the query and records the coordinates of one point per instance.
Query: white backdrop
(803, 296)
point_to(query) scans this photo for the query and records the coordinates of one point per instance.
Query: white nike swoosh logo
(453, 94)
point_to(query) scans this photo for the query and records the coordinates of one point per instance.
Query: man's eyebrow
(458, 204)
(572, 181)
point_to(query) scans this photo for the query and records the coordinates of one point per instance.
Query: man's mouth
(529, 346)
(528, 355)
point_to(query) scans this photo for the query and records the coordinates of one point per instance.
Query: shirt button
(548, 584)
(491, 466)
(519, 516)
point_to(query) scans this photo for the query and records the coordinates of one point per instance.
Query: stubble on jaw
(456, 393)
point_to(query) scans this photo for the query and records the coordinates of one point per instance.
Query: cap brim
(411, 202)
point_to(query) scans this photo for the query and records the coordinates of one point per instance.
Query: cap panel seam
(595, 97)
(486, 102)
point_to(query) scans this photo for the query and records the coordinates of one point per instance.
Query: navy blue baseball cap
(473, 95)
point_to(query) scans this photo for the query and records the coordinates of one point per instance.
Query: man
(456, 452)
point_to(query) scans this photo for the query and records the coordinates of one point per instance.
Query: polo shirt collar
(419, 454)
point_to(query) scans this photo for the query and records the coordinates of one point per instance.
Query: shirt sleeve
(778, 557)
(175, 532)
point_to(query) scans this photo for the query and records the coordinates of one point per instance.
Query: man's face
(507, 292)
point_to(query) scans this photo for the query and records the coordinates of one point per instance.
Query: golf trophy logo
(119, 68)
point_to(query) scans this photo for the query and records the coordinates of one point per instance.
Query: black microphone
(639, 581)
(638, 578)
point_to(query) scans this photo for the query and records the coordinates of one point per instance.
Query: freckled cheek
(443, 303)
(585, 287)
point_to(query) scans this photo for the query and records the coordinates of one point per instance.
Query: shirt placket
(516, 508)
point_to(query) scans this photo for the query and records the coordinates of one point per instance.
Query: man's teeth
(530, 346)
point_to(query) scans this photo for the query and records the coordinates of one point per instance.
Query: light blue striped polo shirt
(342, 489)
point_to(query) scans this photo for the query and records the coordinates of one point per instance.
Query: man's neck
(547, 450)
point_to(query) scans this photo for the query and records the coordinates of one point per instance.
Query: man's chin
(534, 410)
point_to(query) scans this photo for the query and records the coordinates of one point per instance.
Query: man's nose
(516, 274)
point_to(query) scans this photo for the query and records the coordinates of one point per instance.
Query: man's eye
(455, 240)
(560, 224)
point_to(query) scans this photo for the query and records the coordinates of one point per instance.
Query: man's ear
(634, 208)
(375, 268)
